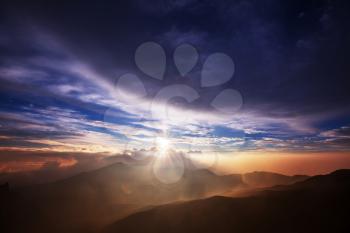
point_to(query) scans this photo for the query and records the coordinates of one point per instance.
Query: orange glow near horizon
(288, 163)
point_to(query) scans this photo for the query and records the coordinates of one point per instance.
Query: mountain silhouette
(91, 200)
(318, 204)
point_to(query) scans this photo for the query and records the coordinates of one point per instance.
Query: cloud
(22, 74)
(27, 167)
(342, 132)
(286, 97)
(57, 129)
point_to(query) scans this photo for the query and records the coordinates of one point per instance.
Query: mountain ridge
(289, 210)
(111, 193)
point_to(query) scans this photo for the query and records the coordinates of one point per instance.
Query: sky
(86, 81)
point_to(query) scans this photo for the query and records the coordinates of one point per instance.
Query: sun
(162, 144)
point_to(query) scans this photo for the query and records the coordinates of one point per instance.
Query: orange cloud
(34, 163)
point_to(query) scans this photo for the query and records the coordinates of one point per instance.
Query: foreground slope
(319, 204)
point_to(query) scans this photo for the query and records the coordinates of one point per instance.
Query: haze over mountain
(90, 200)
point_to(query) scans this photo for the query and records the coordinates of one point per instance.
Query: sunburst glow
(163, 144)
